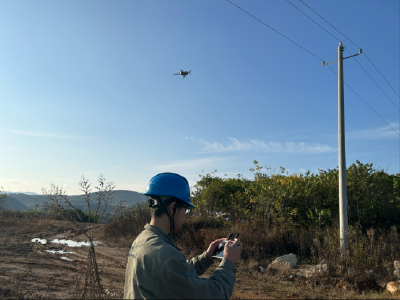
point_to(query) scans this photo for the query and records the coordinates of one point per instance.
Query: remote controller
(221, 245)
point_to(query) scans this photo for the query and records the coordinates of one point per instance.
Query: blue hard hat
(169, 184)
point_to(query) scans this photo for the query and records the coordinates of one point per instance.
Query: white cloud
(268, 147)
(189, 165)
(303, 170)
(290, 147)
(384, 132)
(217, 147)
(236, 145)
(207, 147)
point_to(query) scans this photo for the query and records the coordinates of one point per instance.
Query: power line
(274, 29)
(366, 102)
(328, 22)
(339, 41)
(313, 20)
(381, 74)
(377, 84)
(315, 56)
(365, 72)
(361, 67)
(352, 43)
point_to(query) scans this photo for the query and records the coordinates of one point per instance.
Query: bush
(309, 200)
(79, 216)
(127, 225)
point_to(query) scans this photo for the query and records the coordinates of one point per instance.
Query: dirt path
(28, 270)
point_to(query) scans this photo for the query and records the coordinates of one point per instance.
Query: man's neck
(163, 223)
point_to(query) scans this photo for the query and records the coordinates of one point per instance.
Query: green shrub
(305, 200)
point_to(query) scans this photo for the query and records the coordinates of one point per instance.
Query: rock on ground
(305, 273)
(279, 265)
(290, 258)
(308, 271)
(285, 262)
(393, 287)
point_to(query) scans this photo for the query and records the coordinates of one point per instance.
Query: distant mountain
(30, 193)
(29, 201)
(15, 204)
(26, 193)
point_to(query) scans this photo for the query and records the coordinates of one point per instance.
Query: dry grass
(31, 273)
(57, 200)
(346, 276)
(23, 223)
(123, 230)
(22, 286)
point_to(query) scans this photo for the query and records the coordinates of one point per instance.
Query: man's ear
(171, 208)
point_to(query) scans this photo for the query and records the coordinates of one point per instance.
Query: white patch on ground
(64, 258)
(59, 252)
(42, 241)
(70, 243)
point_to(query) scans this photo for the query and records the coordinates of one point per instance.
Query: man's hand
(232, 251)
(213, 246)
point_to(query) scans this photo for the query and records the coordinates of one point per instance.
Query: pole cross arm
(360, 51)
(324, 64)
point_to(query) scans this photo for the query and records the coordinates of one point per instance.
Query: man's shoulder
(149, 244)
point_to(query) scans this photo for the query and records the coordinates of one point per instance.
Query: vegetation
(57, 198)
(275, 213)
(304, 201)
(4, 200)
(278, 213)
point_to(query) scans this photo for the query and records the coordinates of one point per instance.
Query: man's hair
(159, 210)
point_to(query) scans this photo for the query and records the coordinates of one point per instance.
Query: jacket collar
(160, 233)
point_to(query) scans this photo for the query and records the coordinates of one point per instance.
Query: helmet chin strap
(171, 219)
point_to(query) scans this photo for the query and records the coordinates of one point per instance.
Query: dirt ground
(28, 271)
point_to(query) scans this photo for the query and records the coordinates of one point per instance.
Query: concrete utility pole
(344, 223)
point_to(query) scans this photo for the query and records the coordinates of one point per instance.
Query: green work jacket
(157, 269)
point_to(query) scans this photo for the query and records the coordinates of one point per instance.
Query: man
(157, 269)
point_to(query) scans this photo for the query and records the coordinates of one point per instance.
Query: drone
(183, 73)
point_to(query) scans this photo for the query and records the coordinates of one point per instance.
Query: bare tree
(58, 203)
(4, 200)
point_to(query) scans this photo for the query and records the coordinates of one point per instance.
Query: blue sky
(86, 88)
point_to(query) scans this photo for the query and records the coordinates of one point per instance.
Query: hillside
(23, 202)
(16, 204)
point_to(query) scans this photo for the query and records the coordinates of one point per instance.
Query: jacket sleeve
(201, 263)
(178, 280)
